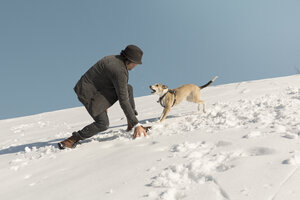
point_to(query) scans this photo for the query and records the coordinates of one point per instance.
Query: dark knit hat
(133, 54)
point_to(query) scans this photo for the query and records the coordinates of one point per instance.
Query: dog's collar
(163, 96)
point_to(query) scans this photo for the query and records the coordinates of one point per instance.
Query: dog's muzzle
(153, 91)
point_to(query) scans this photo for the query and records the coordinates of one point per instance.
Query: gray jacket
(105, 83)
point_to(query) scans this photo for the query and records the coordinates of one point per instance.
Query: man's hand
(138, 131)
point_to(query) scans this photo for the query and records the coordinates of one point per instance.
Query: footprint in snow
(261, 151)
(223, 143)
(294, 160)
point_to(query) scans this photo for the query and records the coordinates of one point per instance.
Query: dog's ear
(164, 87)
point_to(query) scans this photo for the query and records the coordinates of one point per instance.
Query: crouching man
(100, 87)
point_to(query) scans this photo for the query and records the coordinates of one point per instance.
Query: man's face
(130, 66)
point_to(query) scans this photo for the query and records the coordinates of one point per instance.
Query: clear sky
(46, 46)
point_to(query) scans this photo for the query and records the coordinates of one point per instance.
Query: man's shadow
(20, 148)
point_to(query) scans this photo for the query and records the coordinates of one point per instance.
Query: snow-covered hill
(245, 147)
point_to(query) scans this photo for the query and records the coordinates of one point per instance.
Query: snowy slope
(245, 147)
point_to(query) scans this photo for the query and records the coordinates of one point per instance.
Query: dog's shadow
(151, 120)
(156, 119)
(145, 121)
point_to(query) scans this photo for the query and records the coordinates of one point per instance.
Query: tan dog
(171, 97)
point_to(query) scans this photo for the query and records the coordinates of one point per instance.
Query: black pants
(101, 121)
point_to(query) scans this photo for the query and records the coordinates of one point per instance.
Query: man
(100, 87)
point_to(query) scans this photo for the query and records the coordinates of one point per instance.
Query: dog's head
(159, 89)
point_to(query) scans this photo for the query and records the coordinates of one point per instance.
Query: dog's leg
(199, 102)
(165, 113)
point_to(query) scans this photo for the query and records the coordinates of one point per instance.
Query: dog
(171, 97)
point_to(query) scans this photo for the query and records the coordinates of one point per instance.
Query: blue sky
(45, 46)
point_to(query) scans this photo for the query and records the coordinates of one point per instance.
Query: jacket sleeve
(120, 82)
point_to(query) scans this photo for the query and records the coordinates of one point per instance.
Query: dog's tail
(207, 84)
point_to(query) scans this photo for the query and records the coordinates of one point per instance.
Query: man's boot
(70, 142)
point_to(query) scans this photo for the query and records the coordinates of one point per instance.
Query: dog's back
(186, 92)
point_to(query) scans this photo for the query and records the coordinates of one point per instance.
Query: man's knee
(90, 130)
(102, 121)
(102, 126)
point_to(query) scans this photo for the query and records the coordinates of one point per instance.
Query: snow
(245, 147)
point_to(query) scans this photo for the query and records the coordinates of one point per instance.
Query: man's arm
(120, 85)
